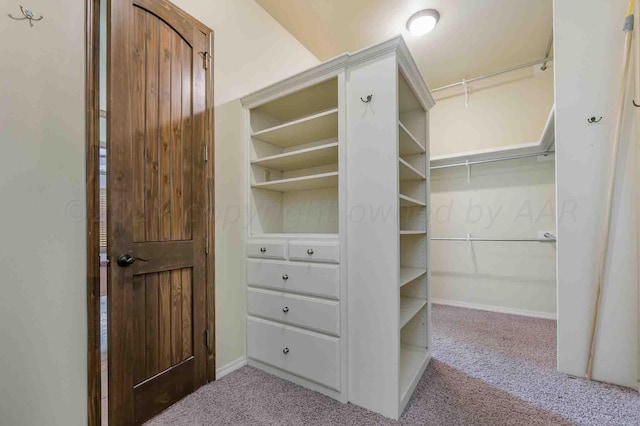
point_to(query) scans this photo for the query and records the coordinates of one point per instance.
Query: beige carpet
(488, 369)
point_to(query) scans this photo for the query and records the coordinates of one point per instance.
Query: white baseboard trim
(231, 367)
(499, 309)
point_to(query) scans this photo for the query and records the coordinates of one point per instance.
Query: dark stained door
(158, 208)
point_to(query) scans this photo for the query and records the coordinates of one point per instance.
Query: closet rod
(482, 77)
(506, 240)
(493, 160)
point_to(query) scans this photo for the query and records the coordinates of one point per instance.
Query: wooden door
(159, 223)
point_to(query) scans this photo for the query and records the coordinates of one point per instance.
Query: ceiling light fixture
(423, 22)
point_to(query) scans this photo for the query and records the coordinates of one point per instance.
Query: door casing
(92, 98)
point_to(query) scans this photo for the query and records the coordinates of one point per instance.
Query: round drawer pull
(310, 252)
(285, 277)
(285, 351)
(285, 309)
(263, 249)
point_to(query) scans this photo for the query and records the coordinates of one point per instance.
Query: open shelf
(323, 180)
(413, 361)
(408, 232)
(409, 145)
(408, 172)
(409, 307)
(409, 274)
(406, 201)
(406, 98)
(316, 127)
(301, 159)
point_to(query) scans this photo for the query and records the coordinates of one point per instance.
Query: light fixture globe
(423, 22)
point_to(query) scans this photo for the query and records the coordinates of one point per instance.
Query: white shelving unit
(326, 168)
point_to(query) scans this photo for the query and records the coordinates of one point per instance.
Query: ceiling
(473, 37)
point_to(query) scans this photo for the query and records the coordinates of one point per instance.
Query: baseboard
(499, 309)
(231, 367)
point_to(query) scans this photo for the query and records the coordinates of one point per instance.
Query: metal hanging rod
(482, 77)
(504, 240)
(548, 54)
(493, 160)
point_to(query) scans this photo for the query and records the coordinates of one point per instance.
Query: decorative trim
(333, 66)
(498, 309)
(231, 367)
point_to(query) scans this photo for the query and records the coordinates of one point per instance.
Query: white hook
(466, 93)
(468, 172)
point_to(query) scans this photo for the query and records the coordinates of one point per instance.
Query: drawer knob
(285, 277)
(285, 309)
(310, 252)
(263, 249)
(285, 351)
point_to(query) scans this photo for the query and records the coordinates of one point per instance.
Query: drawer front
(267, 249)
(314, 356)
(311, 251)
(314, 280)
(315, 314)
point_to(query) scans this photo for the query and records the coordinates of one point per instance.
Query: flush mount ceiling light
(423, 21)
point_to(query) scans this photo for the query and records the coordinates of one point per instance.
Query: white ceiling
(473, 37)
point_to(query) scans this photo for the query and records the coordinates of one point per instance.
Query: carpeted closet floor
(488, 369)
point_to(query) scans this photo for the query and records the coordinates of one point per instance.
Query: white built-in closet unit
(338, 296)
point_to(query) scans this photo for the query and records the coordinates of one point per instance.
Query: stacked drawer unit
(294, 327)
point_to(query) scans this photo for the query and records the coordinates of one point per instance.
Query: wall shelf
(316, 127)
(323, 180)
(409, 274)
(301, 159)
(409, 145)
(406, 201)
(409, 307)
(408, 172)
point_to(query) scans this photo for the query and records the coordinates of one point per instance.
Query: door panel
(158, 208)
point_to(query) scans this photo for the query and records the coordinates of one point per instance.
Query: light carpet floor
(488, 369)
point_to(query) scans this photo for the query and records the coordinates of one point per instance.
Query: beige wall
(504, 110)
(42, 245)
(503, 200)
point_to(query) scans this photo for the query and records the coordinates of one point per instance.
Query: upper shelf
(323, 180)
(316, 127)
(409, 145)
(301, 159)
(544, 145)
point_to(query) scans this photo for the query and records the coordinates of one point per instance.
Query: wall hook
(592, 120)
(366, 101)
(28, 15)
(635, 104)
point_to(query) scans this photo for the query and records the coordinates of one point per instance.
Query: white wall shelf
(407, 275)
(409, 307)
(301, 159)
(408, 172)
(316, 127)
(406, 201)
(409, 232)
(409, 145)
(323, 180)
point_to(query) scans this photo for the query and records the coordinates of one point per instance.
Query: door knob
(126, 260)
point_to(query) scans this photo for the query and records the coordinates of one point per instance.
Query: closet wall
(507, 199)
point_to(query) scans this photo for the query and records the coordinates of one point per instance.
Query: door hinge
(207, 338)
(206, 153)
(206, 246)
(206, 59)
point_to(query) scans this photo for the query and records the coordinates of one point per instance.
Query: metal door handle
(126, 260)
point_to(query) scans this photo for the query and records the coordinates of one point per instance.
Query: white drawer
(315, 280)
(313, 356)
(315, 251)
(308, 312)
(265, 249)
